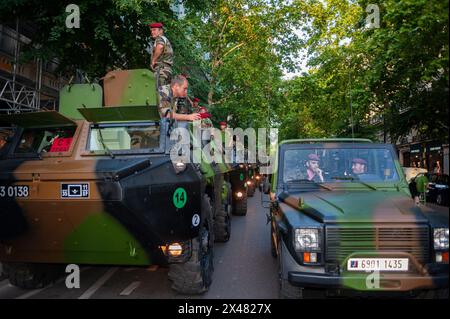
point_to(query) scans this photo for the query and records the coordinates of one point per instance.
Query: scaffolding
(15, 95)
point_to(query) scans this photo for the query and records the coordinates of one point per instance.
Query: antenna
(351, 105)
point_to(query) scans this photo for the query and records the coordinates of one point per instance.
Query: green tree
(398, 72)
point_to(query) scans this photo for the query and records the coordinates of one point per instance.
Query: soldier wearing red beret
(223, 126)
(206, 117)
(195, 106)
(161, 54)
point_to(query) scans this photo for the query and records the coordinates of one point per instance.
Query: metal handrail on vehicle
(328, 140)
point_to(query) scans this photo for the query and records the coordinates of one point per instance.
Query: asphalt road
(244, 268)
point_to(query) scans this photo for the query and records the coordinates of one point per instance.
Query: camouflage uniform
(165, 60)
(196, 109)
(183, 106)
(167, 102)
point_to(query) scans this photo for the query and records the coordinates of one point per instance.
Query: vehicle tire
(222, 226)
(439, 200)
(195, 275)
(31, 275)
(240, 206)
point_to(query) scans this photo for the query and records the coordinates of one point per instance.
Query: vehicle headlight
(440, 236)
(179, 167)
(307, 239)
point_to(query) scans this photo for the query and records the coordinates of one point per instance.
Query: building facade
(25, 86)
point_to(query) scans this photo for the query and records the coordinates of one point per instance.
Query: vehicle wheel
(439, 199)
(222, 226)
(32, 276)
(195, 275)
(240, 206)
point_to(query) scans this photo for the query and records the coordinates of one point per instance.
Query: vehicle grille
(343, 241)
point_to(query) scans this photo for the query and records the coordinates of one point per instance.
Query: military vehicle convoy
(251, 180)
(357, 231)
(94, 184)
(239, 189)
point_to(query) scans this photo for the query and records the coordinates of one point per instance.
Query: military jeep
(94, 184)
(354, 231)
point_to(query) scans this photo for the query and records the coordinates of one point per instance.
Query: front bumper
(369, 281)
(419, 277)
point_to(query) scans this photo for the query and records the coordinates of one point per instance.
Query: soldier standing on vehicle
(195, 105)
(168, 96)
(206, 117)
(162, 55)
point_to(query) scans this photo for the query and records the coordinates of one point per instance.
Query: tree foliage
(237, 51)
(397, 72)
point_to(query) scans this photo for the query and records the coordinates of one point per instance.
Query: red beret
(223, 123)
(313, 157)
(155, 25)
(205, 115)
(359, 161)
(196, 99)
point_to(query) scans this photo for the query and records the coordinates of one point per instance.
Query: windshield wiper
(351, 178)
(307, 181)
(108, 151)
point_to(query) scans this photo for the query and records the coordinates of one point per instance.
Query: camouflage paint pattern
(123, 221)
(75, 96)
(104, 228)
(130, 87)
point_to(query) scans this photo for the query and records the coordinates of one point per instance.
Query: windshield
(45, 140)
(124, 137)
(337, 165)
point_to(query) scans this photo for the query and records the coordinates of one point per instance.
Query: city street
(244, 268)
(129, 131)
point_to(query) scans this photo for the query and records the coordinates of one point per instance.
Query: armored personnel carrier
(94, 184)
